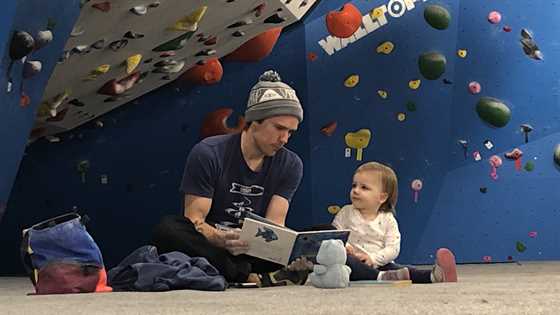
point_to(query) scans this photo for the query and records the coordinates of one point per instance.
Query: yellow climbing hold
(190, 22)
(132, 62)
(401, 116)
(462, 53)
(352, 81)
(414, 84)
(385, 48)
(383, 94)
(50, 106)
(101, 69)
(358, 140)
(377, 12)
(333, 209)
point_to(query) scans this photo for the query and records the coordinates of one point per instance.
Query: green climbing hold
(174, 44)
(432, 65)
(557, 155)
(529, 166)
(411, 107)
(520, 247)
(437, 16)
(493, 111)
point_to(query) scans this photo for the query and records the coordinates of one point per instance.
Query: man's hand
(349, 249)
(232, 243)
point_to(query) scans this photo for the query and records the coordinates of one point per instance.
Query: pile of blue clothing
(146, 270)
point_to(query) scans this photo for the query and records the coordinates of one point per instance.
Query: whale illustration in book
(267, 234)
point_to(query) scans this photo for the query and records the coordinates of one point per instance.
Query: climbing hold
(529, 166)
(432, 65)
(77, 31)
(352, 81)
(42, 39)
(24, 100)
(274, 19)
(447, 81)
(493, 111)
(190, 22)
(238, 34)
(311, 56)
(557, 155)
(483, 190)
(174, 44)
(383, 94)
(416, 186)
(526, 129)
(345, 22)
(139, 10)
(462, 53)
(474, 87)
(133, 35)
(256, 48)
(116, 87)
(174, 67)
(385, 48)
(529, 46)
(215, 123)
(211, 41)
(210, 72)
(99, 44)
(329, 128)
(465, 145)
(100, 70)
(83, 167)
(358, 140)
(494, 17)
(515, 155)
(76, 103)
(507, 28)
(495, 162)
(206, 52)
(102, 6)
(132, 62)
(31, 68)
(437, 16)
(411, 106)
(118, 44)
(22, 44)
(487, 259)
(244, 22)
(488, 144)
(476, 156)
(50, 106)
(532, 234)
(333, 209)
(401, 117)
(168, 54)
(414, 84)
(520, 247)
(259, 9)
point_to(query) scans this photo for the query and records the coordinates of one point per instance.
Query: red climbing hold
(215, 123)
(257, 48)
(210, 72)
(345, 22)
(102, 6)
(116, 87)
(24, 100)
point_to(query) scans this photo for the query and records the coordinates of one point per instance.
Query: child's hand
(363, 257)
(349, 249)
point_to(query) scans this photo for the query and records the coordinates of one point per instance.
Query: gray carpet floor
(517, 288)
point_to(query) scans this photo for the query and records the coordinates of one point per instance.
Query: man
(228, 175)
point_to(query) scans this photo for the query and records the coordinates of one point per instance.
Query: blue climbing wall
(141, 148)
(16, 121)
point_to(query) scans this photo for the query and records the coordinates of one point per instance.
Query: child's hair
(388, 181)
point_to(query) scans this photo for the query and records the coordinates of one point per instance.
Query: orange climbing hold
(257, 48)
(215, 123)
(210, 72)
(345, 22)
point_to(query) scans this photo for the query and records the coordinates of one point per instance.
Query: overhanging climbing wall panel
(120, 50)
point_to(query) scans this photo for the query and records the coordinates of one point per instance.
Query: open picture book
(282, 245)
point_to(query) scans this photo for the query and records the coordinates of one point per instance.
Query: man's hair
(247, 125)
(389, 184)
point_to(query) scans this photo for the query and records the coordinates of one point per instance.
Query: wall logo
(371, 22)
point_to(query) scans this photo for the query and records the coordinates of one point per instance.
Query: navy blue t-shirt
(216, 169)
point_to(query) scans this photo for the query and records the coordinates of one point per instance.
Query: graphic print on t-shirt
(243, 204)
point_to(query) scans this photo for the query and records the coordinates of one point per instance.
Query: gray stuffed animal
(331, 271)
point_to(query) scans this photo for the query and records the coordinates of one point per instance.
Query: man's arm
(196, 210)
(277, 210)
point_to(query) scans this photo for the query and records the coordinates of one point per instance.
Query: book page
(269, 242)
